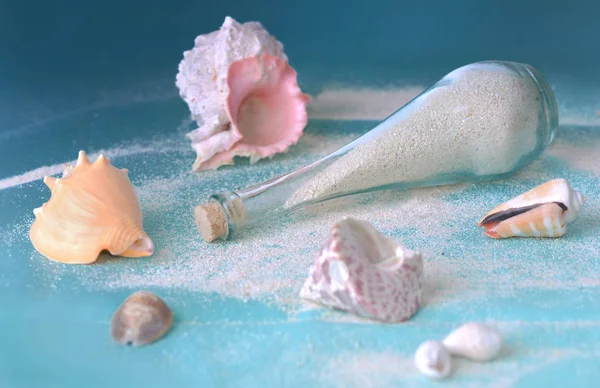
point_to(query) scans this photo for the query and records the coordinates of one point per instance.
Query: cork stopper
(210, 221)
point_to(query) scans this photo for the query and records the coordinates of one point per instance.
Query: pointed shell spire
(50, 182)
(81, 163)
(102, 159)
(82, 159)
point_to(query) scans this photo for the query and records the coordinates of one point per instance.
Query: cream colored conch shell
(92, 208)
(243, 94)
(543, 211)
(364, 272)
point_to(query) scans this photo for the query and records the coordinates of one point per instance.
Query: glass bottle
(482, 121)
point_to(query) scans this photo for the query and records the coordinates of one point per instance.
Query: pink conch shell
(364, 272)
(542, 211)
(267, 111)
(92, 208)
(204, 83)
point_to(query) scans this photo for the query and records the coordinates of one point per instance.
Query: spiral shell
(92, 208)
(542, 211)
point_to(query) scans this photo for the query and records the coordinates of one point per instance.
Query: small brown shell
(141, 319)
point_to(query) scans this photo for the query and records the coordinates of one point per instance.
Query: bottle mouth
(549, 104)
(233, 210)
(548, 131)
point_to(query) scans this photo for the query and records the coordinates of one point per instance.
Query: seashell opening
(92, 208)
(542, 211)
(433, 360)
(240, 71)
(543, 220)
(266, 108)
(361, 271)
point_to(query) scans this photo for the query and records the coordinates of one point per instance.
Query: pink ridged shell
(266, 109)
(361, 271)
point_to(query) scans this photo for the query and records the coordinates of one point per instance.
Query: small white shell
(432, 359)
(475, 341)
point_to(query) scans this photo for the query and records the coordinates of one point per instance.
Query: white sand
(272, 262)
(481, 123)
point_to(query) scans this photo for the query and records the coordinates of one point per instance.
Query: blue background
(54, 51)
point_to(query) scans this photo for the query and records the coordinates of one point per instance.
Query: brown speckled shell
(142, 319)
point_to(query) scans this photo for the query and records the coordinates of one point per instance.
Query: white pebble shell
(475, 341)
(432, 359)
